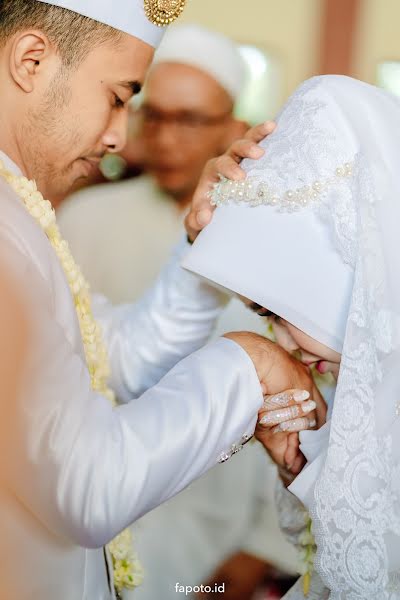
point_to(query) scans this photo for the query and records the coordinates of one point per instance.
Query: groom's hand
(226, 165)
(283, 414)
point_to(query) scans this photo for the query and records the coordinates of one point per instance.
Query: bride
(311, 240)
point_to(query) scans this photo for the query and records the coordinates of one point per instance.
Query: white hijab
(313, 236)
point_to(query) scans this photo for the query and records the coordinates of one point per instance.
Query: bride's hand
(277, 370)
(282, 416)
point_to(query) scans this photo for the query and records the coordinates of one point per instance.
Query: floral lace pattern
(299, 144)
(356, 504)
(293, 519)
(356, 507)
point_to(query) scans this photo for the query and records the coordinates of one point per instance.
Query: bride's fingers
(292, 450)
(295, 425)
(294, 459)
(274, 417)
(321, 406)
(298, 464)
(285, 399)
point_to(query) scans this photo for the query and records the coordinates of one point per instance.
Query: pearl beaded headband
(255, 193)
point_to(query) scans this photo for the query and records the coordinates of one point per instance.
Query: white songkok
(209, 51)
(128, 16)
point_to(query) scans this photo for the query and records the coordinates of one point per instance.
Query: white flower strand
(255, 193)
(307, 556)
(128, 572)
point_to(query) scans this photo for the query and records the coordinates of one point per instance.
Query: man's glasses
(184, 122)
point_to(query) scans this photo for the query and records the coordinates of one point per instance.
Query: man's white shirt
(228, 509)
(79, 471)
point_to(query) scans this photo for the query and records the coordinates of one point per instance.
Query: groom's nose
(115, 137)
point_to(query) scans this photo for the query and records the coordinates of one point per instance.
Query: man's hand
(242, 573)
(277, 370)
(227, 165)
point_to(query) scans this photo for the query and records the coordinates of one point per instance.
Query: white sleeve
(87, 470)
(146, 339)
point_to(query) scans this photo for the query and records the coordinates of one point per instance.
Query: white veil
(335, 159)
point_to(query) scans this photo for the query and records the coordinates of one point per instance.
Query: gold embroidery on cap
(163, 12)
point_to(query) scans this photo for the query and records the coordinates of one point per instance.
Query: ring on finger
(274, 417)
(295, 425)
(284, 398)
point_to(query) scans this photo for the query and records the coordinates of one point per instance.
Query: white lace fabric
(356, 513)
(293, 519)
(355, 503)
(356, 510)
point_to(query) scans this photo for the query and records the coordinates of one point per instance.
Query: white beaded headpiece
(275, 179)
(255, 193)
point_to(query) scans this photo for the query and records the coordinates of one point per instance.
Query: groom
(78, 472)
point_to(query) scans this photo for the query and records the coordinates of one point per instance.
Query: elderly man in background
(215, 530)
(185, 119)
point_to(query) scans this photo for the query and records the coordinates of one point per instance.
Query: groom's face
(77, 114)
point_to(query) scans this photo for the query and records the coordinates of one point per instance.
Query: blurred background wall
(286, 30)
(284, 42)
(377, 43)
(287, 41)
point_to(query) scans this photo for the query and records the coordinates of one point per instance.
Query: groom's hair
(72, 34)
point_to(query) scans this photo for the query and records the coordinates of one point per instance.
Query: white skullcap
(209, 51)
(128, 16)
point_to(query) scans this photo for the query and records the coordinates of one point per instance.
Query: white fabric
(209, 51)
(78, 471)
(294, 521)
(111, 221)
(127, 16)
(186, 538)
(351, 485)
(322, 291)
(265, 244)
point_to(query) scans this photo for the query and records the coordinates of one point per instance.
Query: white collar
(10, 164)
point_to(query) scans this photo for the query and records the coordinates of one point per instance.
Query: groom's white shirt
(79, 472)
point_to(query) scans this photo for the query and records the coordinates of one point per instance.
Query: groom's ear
(30, 55)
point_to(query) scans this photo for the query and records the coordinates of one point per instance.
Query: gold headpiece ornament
(163, 12)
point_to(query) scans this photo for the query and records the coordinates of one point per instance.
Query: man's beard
(44, 136)
(52, 181)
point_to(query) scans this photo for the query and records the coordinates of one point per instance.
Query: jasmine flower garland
(128, 572)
